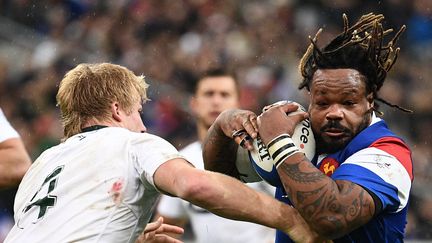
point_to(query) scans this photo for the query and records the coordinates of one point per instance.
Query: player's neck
(96, 122)
(202, 131)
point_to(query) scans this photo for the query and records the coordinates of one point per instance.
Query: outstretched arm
(230, 198)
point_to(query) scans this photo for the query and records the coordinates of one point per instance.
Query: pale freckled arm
(220, 195)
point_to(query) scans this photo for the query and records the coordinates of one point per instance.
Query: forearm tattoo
(341, 206)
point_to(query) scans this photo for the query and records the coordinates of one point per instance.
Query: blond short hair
(87, 91)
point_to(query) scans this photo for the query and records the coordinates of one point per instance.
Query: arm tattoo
(337, 206)
(294, 172)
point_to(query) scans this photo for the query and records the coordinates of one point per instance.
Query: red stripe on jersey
(398, 149)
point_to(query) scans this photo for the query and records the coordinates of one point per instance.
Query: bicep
(381, 174)
(171, 177)
(359, 203)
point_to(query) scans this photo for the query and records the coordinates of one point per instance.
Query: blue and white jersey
(380, 162)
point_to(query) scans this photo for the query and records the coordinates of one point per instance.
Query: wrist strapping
(280, 148)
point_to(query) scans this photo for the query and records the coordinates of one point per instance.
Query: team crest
(328, 166)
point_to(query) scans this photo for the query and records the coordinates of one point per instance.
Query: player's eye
(349, 103)
(321, 104)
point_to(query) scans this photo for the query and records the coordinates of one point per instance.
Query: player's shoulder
(117, 137)
(386, 140)
(389, 141)
(137, 138)
(149, 142)
(120, 134)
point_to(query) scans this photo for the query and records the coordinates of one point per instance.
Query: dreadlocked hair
(359, 47)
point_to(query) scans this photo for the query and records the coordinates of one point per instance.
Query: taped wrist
(280, 148)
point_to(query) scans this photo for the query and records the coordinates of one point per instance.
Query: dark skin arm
(219, 148)
(332, 208)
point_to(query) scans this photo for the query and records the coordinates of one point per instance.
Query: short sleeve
(6, 130)
(379, 172)
(149, 152)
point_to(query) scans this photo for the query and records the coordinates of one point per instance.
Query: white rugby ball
(261, 160)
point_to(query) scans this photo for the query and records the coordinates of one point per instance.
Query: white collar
(375, 119)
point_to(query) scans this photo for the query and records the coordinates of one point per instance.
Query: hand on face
(275, 121)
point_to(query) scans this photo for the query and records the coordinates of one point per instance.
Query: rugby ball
(261, 160)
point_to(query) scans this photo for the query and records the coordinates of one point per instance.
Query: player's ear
(115, 112)
(370, 99)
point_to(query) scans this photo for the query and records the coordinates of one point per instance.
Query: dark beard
(329, 147)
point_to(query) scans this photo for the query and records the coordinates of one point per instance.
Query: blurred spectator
(168, 41)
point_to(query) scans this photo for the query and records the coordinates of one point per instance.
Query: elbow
(329, 227)
(323, 230)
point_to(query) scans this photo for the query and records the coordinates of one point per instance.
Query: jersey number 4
(48, 200)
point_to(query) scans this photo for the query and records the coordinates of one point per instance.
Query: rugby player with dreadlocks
(356, 189)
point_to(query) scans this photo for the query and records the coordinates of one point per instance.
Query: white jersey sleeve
(174, 207)
(147, 162)
(6, 130)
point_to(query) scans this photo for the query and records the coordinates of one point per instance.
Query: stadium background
(170, 41)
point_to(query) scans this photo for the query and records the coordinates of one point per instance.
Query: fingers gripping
(247, 131)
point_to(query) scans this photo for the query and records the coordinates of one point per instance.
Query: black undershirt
(92, 128)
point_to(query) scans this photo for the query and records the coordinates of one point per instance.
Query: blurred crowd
(170, 42)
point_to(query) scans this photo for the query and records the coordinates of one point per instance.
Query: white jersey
(97, 186)
(208, 227)
(6, 130)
